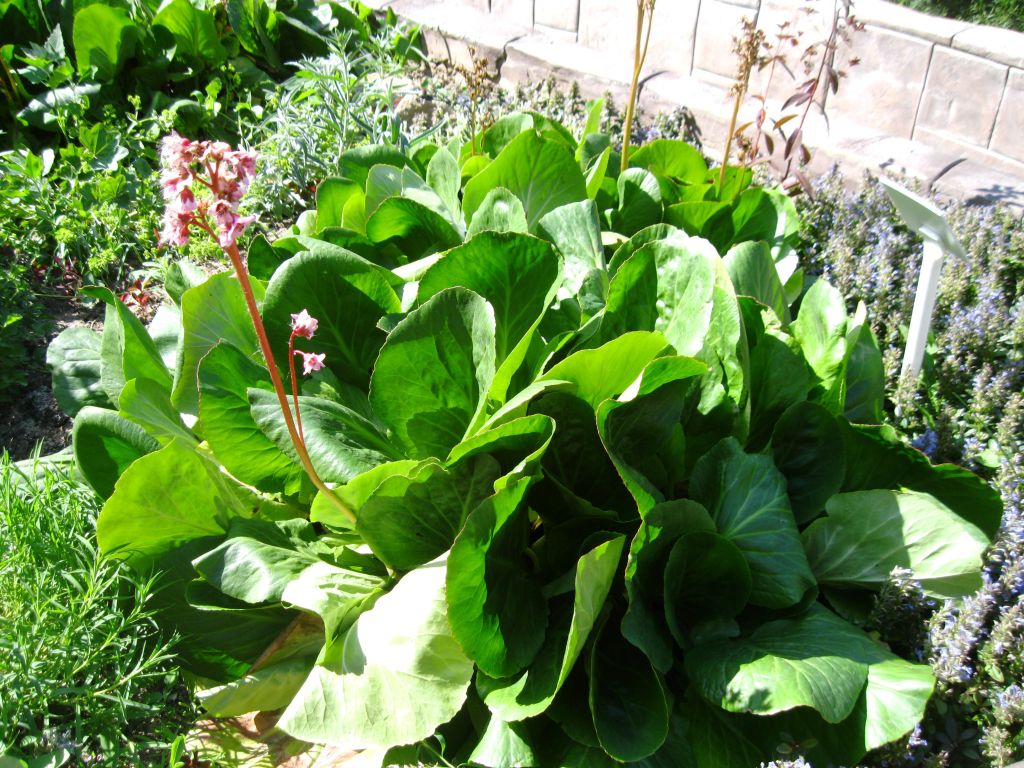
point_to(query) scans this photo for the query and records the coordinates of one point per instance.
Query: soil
(33, 417)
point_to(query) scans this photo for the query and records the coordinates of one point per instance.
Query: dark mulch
(33, 416)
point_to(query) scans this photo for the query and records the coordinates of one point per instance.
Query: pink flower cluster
(305, 325)
(224, 172)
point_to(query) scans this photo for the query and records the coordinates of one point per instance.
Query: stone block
(975, 154)
(717, 24)
(560, 14)
(561, 35)
(961, 96)
(898, 18)
(673, 36)
(534, 58)
(515, 11)
(450, 31)
(993, 43)
(609, 26)
(1007, 138)
(884, 90)
(976, 183)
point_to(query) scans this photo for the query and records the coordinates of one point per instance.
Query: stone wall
(937, 99)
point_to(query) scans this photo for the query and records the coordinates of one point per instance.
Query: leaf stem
(295, 385)
(275, 377)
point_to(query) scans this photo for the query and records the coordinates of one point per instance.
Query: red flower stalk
(225, 175)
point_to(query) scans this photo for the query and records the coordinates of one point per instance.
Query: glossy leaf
(75, 364)
(868, 533)
(542, 174)
(496, 606)
(746, 496)
(184, 496)
(432, 375)
(346, 294)
(105, 445)
(530, 693)
(400, 675)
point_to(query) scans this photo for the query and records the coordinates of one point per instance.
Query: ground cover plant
(967, 409)
(85, 674)
(579, 467)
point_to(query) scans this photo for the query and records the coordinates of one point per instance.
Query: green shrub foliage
(619, 487)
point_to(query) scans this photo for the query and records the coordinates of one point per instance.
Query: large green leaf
(212, 313)
(496, 607)
(671, 157)
(164, 500)
(891, 703)
(706, 577)
(807, 447)
(75, 364)
(265, 689)
(877, 458)
(868, 533)
(746, 496)
(821, 327)
(226, 423)
(627, 698)
(518, 275)
(345, 293)
(642, 432)
(417, 230)
(148, 404)
(542, 174)
(265, 562)
(753, 274)
(639, 202)
(413, 517)
(433, 373)
(754, 216)
(644, 624)
(817, 660)
(632, 303)
(104, 39)
(779, 378)
(127, 350)
(195, 33)
(500, 211)
(865, 381)
(106, 445)
(575, 230)
(401, 674)
(608, 370)
(341, 442)
(530, 693)
(686, 283)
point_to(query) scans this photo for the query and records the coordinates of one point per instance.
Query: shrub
(559, 502)
(84, 672)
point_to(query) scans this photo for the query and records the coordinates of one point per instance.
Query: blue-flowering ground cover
(968, 409)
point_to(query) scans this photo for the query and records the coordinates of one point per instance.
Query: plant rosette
(573, 485)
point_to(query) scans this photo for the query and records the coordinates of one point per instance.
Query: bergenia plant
(203, 183)
(598, 479)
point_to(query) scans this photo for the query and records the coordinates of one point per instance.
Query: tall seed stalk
(644, 12)
(747, 48)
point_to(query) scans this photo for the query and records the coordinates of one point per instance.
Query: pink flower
(229, 224)
(229, 173)
(310, 361)
(304, 325)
